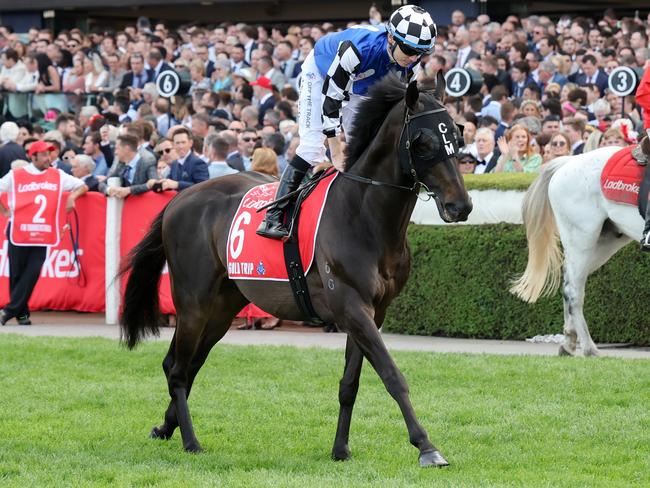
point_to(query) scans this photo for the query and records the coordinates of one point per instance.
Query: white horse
(566, 199)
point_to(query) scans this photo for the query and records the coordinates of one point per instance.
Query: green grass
(499, 181)
(77, 412)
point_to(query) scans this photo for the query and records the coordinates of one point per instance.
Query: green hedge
(459, 288)
(499, 181)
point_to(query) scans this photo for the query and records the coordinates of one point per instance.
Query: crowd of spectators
(93, 95)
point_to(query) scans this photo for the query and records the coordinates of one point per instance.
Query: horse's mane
(371, 112)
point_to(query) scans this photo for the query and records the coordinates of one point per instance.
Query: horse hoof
(432, 458)
(341, 454)
(591, 352)
(564, 352)
(157, 433)
(193, 448)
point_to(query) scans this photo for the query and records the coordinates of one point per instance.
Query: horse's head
(428, 150)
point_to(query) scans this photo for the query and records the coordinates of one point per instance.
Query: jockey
(335, 77)
(643, 99)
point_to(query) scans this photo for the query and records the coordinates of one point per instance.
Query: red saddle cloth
(253, 257)
(621, 177)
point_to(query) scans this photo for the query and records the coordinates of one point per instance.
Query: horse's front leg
(348, 388)
(356, 319)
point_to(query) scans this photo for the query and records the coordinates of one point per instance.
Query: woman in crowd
(517, 153)
(466, 164)
(222, 79)
(265, 161)
(75, 79)
(559, 145)
(197, 75)
(96, 76)
(613, 137)
(530, 108)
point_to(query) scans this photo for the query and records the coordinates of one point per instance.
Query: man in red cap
(263, 91)
(35, 193)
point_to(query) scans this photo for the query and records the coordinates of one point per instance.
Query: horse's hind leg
(348, 388)
(166, 430)
(226, 307)
(580, 262)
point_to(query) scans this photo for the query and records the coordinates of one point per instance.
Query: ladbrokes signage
(69, 283)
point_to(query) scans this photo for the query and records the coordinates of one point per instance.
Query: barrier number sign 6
(237, 239)
(168, 82)
(458, 82)
(623, 81)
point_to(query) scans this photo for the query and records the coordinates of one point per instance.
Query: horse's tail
(543, 272)
(145, 263)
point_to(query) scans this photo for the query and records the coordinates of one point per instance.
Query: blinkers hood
(443, 143)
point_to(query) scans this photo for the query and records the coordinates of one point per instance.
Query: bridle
(404, 146)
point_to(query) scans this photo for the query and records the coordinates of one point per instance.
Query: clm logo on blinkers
(449, 147)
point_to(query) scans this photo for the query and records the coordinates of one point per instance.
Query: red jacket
(643, 98)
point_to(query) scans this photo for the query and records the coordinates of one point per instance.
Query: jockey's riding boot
(273, 226)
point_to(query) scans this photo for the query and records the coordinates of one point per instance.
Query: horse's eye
(425, 145)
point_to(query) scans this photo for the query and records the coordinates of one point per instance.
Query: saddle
(253, 257)
(624, 178)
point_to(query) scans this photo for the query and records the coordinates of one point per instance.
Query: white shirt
(68, 182)
(480, 168)
(220, 168)
(462, 56)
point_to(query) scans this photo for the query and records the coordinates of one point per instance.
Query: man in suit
(136, 175)
(485, 148)
(56, 141)
(247, 36)
(575, 128)
(591, 73)
(10, 150)
(263, 91)
(203, 54)
(138, 76)
(283, 54)
(520, 75)
(233, 158)
(548, 73)
(465, 52)
(156, 63)
(83, 167)
(267, 70)
(188, 169)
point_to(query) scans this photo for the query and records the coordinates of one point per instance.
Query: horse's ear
(412, 95)
(439, 93)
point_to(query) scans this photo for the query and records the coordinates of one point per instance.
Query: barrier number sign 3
(458, 82)
(168, 83)
(623, 81)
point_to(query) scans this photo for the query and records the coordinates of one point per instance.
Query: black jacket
(8, 154)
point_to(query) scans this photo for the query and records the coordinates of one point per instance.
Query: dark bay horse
(403, 140)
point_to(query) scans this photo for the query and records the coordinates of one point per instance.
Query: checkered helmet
(412, 26)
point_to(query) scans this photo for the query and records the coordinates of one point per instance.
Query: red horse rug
(252, 257)
(621, 177)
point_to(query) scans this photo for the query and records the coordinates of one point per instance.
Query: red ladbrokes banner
(137, 215)
(63, 284)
